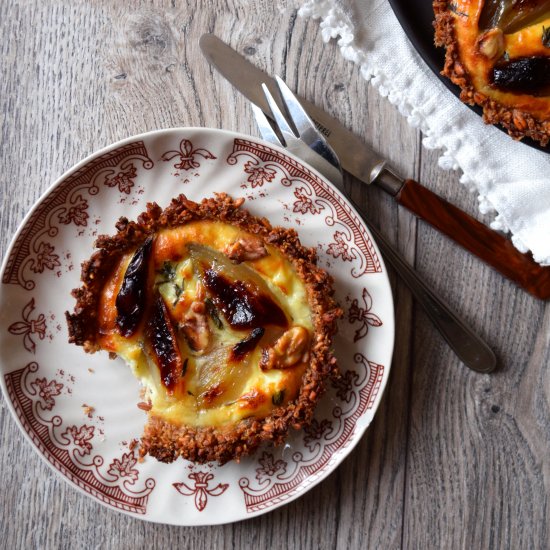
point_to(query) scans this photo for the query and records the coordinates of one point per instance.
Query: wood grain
(453, 459)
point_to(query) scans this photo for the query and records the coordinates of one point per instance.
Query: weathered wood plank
(477, 442)
(453, 459)
(144, 71)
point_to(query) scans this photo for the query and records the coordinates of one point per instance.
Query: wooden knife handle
(488, 245)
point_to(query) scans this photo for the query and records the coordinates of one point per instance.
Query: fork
(299, 135)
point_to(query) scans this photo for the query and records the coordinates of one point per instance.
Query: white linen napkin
(513, 180)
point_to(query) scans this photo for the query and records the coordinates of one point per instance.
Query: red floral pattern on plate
(363, 315)
(352, 241)
(27, 327)
(76, 213)
(340, 248)
(187, 155)
(47, 390)
(124, 468)
(201, 488)
(276, 486)
(269, 467)
(32, 253)
(113, 476)
(304, 204)
(124, 180)
(80, 437)
(65, 448)
(44, 258)
(259, 174)
(316, 431)
(345, 385)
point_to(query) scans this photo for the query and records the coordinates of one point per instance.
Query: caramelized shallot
(131, 299)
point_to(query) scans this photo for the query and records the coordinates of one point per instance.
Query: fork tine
(280, 120)
(300, 118)
(306, 128)
(264, 126)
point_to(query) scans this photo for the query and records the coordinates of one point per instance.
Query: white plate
(47, 382)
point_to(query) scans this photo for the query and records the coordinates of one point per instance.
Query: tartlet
(498, 52)
(225, 320)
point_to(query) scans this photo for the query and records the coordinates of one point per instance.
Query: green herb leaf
(546, 37)
(278, 397)
(213, 312)
(168, 272)
(178, 290)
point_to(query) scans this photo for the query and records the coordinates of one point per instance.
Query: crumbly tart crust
(518, 122)
(166, 441)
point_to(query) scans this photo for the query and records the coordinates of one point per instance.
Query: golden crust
(518, 122)
(166, 441)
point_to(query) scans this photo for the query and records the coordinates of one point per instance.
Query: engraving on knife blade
(323, 129)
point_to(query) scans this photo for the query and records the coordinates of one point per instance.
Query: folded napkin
(513, 180)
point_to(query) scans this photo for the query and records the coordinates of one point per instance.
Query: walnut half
(491, 43)
(290, 349)
(246, 249)
(195, 327)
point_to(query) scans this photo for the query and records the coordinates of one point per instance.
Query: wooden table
(453, 459)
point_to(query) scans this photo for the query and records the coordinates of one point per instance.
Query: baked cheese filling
(214, 323)
(505, 48)
(498, 53)
(511, 89)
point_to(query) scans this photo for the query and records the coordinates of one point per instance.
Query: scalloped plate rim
(319, 476)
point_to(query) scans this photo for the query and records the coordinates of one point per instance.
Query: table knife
(366, 165)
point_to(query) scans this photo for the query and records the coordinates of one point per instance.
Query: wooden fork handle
(488, 245)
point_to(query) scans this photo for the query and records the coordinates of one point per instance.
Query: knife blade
(359, 159)
(248, 79)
